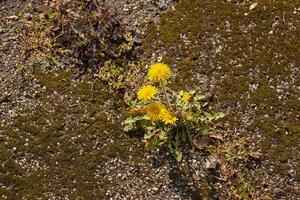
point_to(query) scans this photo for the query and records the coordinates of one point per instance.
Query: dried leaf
(211, 162)
(216, 136)
(13, 17)
(137, 39)
(196, 177)
(253, 6)
(201, 143)
(255, 154)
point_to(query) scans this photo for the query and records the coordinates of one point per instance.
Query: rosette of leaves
(194, 115)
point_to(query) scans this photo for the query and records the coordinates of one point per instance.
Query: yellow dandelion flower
(147, 92)
(154, 111)
(159, 72)
(186, 96)
(167, 117)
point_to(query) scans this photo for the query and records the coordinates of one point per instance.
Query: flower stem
(163, 86)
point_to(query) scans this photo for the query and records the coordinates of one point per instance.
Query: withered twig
(5, 97)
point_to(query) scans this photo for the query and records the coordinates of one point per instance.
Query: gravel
(153, 177)
(135, 14)
(146, 176)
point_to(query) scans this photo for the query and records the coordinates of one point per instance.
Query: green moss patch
(56, 148)
(250, 60)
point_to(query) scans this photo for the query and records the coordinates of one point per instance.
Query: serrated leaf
(148, 135)
(152, 145)
(197, 105)
(183, 137)
(178, 155)
(144, 123)
(129, 120)
(162, 135)
(149, 128)
(128, 128)
(219, 115)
